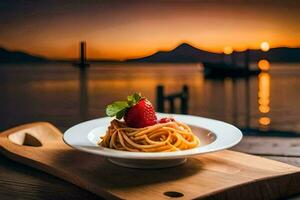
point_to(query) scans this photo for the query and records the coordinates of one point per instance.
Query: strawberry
(141, 115)
(137, 111)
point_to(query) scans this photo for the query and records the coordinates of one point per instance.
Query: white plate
(214, 136)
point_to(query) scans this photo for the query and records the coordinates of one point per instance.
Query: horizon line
(132, 58)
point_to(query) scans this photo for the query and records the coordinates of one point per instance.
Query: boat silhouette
(227, 70)
(232, 69)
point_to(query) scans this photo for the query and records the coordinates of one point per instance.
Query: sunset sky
(126, 29)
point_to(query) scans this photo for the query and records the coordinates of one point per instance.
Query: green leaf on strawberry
(134, 99)
(119, 108)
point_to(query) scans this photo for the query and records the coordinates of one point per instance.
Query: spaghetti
(162, 137)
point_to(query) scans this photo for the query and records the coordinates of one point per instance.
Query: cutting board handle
(31, 136)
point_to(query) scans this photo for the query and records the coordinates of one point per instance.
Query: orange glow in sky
(118, 30)
(228, 50)
(264, 46)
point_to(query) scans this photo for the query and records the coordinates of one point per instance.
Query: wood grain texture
(223, 175)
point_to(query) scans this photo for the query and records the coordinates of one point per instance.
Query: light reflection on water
(52, 93)
(264, 81)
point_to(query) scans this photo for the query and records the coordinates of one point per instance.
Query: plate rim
(212, 147)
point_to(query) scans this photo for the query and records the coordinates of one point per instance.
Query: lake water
(53, 92)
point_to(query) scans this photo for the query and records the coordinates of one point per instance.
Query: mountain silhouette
(182, 53)
(188, 53)
(18, 56)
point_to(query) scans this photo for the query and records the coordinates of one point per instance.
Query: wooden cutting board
(221, 175)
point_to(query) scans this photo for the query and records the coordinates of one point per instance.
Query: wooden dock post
(161, 97)
(184, 100)
(83, 82)
(82, 53)
(82, 63)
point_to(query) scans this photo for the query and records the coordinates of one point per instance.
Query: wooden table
(21, 182)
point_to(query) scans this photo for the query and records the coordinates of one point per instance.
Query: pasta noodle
(170, 136)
